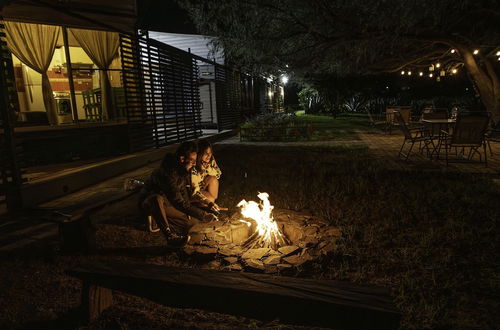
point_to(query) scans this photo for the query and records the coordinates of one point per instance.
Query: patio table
(438, 125)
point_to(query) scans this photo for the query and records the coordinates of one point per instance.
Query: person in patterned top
(205, 175)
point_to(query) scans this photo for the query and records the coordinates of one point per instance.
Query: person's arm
(215, 170)
(173, 190)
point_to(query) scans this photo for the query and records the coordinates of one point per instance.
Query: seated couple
(182, 192)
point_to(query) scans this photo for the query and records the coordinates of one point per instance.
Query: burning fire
(267, 233)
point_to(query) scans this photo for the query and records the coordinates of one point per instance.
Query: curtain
(101, 47)
(34, 45)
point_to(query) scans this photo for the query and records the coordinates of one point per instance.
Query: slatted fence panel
(175, 94)
(228, 97)
(163, 101)
(137, 97)
(10, 149)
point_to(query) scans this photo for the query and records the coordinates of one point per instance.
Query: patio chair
(469, 133)
(413, 135)
(492, 134)
(92, 104)
(374, 123)
(391, 119)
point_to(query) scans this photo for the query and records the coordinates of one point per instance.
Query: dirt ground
(37, 294)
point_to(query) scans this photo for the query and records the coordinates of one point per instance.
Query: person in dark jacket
(166, 195)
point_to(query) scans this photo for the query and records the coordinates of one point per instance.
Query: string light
(476, 51)
(420, 74)
(402, 72)
(409, 73)
(453, 51)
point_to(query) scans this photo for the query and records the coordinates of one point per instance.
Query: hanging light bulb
(438, 65)
(403, 72)
(476, 51)
(420, 74)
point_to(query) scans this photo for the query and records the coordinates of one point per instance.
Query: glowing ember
(267, 233)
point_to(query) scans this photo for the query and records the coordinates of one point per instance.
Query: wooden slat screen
(228, 97)
(10, 150)
(140, 125)
(161, 89)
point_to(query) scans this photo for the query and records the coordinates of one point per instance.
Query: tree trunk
(486, 81)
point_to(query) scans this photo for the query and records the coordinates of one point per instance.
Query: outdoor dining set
(459, 137)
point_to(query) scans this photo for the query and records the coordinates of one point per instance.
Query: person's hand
(214, 207)
(209, 217)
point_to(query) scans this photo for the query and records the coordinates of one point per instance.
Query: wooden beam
(326, 303)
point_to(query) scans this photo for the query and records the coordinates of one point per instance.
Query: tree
(361, 37)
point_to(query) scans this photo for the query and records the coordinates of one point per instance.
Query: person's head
(205, 152)
(186, 155)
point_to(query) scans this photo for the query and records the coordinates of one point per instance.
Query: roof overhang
(110, 15)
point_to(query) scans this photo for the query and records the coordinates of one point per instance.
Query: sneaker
(178, 240)
(152, 226)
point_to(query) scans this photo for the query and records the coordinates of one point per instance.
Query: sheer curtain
(101, 47)
(34, 45)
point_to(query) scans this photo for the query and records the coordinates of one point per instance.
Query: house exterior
(102, 87)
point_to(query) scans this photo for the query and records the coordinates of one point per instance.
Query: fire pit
(261, 238)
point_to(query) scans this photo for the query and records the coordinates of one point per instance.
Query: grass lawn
(432, 238)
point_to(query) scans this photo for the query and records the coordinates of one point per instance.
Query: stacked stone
(219, 243)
